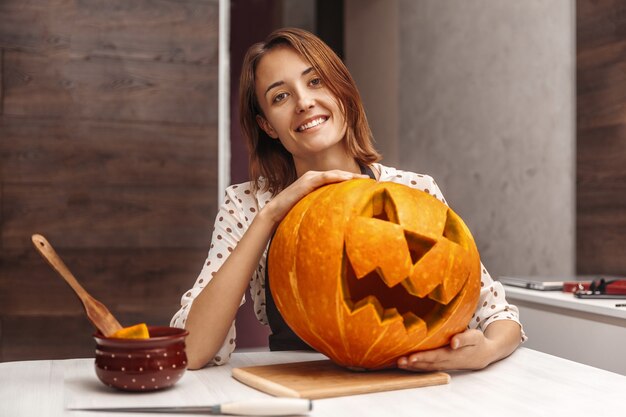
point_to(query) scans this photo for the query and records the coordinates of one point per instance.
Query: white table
(592, 332)
(528, 383)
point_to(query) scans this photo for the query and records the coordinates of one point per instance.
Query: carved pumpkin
(366, 272)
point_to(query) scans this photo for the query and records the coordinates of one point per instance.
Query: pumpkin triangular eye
(455, 230)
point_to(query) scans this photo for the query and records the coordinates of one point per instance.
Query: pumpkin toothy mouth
(393, 269)
(389, 302)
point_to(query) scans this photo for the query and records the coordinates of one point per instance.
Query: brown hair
(268, 158)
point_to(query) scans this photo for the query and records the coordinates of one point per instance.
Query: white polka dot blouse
(236, 213)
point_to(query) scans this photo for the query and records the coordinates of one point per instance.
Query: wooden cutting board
(324, 379)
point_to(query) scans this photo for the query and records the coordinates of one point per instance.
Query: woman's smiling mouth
(312, 123)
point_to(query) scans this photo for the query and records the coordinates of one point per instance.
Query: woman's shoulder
(244, 188)
(422, 182)
(392, 174)
(247, 192)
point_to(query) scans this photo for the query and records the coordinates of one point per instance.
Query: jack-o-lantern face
(366, 272)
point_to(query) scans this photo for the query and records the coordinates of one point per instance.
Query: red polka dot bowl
(142, 364)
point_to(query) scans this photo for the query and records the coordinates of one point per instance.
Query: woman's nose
(304, 103)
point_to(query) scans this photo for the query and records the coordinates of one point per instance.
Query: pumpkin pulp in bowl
(142, 364)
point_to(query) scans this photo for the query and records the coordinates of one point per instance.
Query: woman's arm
(215, 307)
(471, 349)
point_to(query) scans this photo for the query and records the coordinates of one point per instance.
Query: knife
(258, 407)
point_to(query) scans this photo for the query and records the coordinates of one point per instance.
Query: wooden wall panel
(108, 89)
(111, 216)
(114, 276)
(138, 30)
(106, 153)
(108, 146)
(601, 137)
(30, 337)
(1, 80)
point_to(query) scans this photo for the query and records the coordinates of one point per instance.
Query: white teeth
(311, 124)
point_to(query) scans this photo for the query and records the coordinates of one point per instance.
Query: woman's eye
(316, 81)
(279, 97)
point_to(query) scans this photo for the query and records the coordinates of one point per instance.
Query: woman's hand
(469, 350)
(278, 208)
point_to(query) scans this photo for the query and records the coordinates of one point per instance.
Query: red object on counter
(573, 286)
(616, 287)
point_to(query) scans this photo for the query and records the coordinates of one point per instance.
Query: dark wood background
(108, 147)
(601, 142)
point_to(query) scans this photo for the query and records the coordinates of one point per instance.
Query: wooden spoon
(97, 313)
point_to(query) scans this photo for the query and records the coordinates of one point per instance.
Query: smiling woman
(315, 72)
(306, 127)
(298, 110)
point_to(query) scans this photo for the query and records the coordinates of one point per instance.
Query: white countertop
(568, 301)
(528, 383)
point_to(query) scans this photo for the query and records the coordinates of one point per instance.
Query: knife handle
(266, 407)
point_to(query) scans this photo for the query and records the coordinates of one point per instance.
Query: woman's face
(298, 108)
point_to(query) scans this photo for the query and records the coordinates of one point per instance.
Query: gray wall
(479, 94)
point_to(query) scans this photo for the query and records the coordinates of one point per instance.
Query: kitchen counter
(528, 383)
(564, 300)
(592, 332)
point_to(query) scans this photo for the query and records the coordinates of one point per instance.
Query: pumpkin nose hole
(418, 246)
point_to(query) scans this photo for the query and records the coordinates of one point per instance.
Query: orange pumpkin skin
(366, 272)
